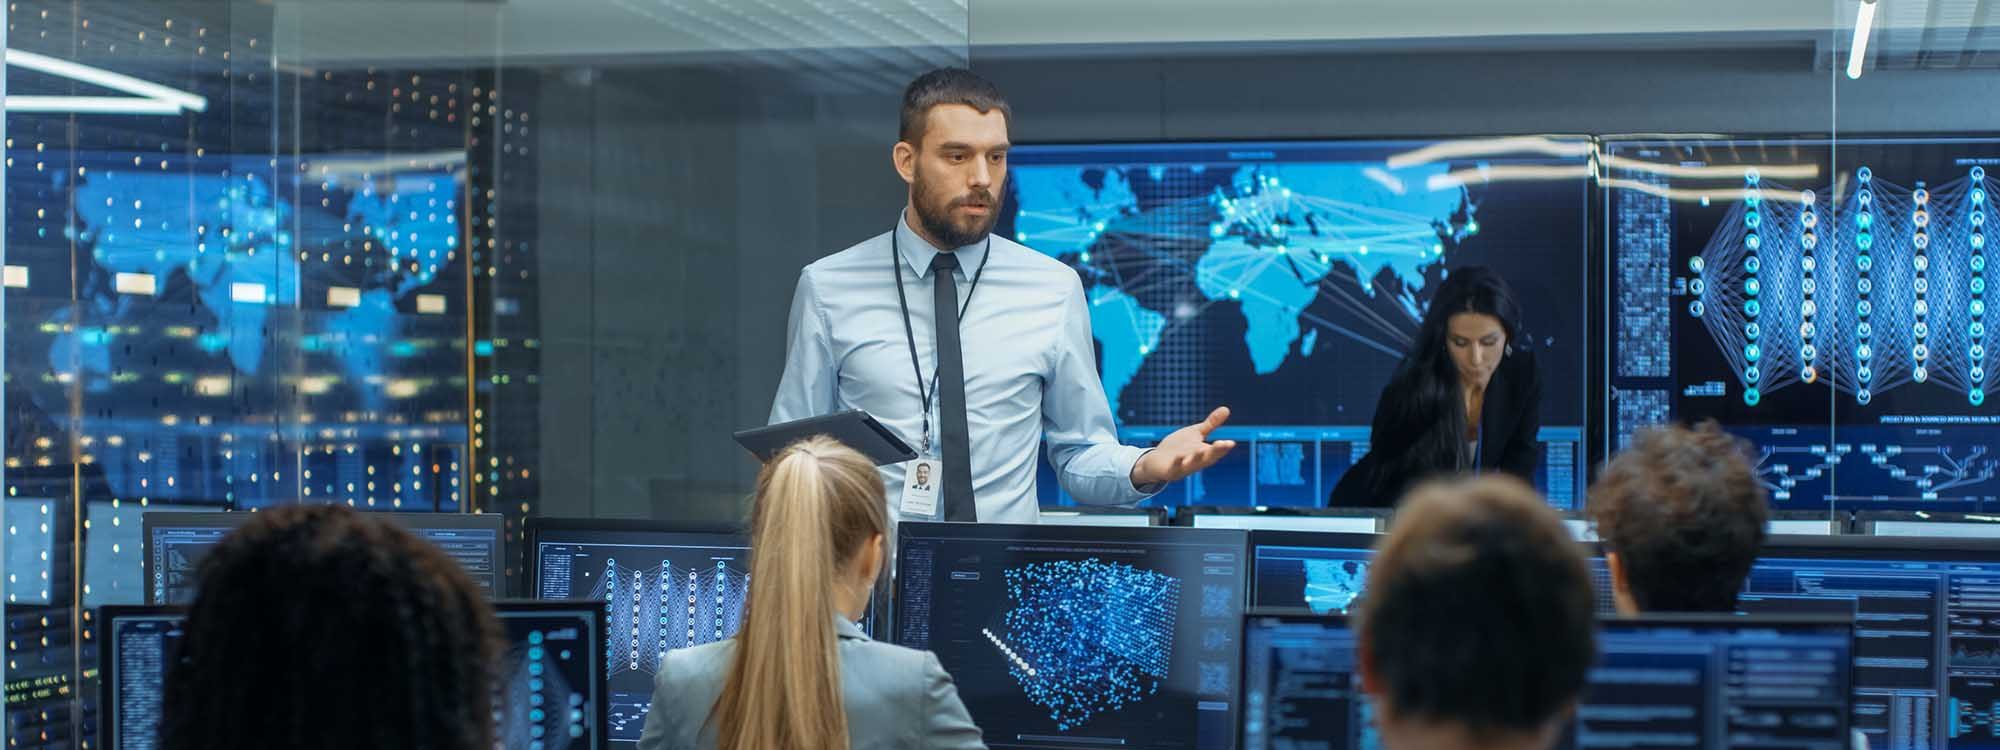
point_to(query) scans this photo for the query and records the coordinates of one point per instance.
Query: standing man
(972, 347)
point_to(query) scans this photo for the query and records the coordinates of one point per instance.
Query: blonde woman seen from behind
(799, 674)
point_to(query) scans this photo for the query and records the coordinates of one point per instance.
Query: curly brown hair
(1686, 515)
(317, 627)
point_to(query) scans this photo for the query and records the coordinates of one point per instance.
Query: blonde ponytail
(817, 503)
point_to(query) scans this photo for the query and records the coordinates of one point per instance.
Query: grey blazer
(895, 697)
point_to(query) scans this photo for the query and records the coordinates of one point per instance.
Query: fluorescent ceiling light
(1864, 22)
(147, 98)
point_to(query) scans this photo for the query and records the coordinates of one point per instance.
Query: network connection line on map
(1885, 290)
(1087, 637)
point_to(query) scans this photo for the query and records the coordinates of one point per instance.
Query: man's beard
(937, 218)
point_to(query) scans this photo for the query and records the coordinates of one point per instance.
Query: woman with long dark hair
(1466, 398)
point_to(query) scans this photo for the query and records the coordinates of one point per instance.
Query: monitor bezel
(233, 519)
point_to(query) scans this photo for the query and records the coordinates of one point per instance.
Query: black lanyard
(909, 332)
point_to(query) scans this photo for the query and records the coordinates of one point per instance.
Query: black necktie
(953, 436)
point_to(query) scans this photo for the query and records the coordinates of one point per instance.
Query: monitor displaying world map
(1286, 280)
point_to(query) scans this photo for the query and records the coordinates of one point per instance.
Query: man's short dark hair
(1685, 513)
(947, 86)
(1479, 609)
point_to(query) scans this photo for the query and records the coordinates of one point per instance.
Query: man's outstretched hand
(1184, 452)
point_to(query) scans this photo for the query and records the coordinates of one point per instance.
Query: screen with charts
(665, 587)
(1825, 300)
(1303, 570)
(1709, 682)
(176, 542)
(1927, 654)
(1326, 573)
(1080, 637)
(1286, 280)
(552, 677)
(550, 690)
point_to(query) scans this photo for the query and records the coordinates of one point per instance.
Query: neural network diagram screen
(1708, 682)
(176, 543)
(1825, 300)
(1080, 637)
(551, 682)
(1287, 280)
(664, 589)
(1927, 652)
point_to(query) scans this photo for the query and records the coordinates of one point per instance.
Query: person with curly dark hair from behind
(1682, 516)
(320, 628)
(1477, 630)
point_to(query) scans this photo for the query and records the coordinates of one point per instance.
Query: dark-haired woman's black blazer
(1509, 422)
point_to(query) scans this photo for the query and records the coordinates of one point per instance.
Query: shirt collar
(918, 253)
(845, 628)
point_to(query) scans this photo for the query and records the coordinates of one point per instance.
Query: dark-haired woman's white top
(895, 697)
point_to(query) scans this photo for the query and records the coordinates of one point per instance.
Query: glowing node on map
(1695, 264)
(1922, 240)
(1751, 308)
(1695, 308)
(1864, 352)
(1866, 373)
(1751, 287)
(1752, 374)
(1752, 264)
(1863, 308)
(1753, 219)
(1863, 396)
(1752, 176)
(1751, 396)
(1979, 173)
(1922, 196)
(1752, 352)
(1977, 396)
(1807, 263)
(1920, 352)
(1808, 374)
(1864, 174)
(1920, 374)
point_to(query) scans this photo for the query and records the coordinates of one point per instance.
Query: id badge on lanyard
(923, 477)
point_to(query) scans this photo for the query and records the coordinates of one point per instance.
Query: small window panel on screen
(1286, 280)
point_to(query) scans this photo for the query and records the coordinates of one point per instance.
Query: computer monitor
(551, 689)
(1927, 655)
(1317, 571)
(1288, 279)
(176, 542)
(1697, 681)
(1822, 298)
(136, 645)
(552, 680)
(1067, 636)
(666, 585)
